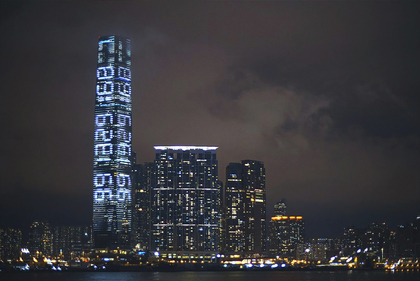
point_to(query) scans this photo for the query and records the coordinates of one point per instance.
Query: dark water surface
(214, 276)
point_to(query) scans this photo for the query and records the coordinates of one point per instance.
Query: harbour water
(372, 275)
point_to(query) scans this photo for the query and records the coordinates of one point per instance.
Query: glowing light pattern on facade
(112, 187)
(185, 199)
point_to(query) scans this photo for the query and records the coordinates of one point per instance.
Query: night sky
(326, 94)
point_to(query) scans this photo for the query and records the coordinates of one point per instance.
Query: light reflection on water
(214, 276)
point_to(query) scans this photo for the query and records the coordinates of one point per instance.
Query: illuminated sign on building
(112, 187)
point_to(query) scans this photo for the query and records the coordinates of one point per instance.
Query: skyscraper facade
(142, 177)
(253, 179)
(185, 199)
(234, 209)
(112, 187)
(245, 219)
(286, 233)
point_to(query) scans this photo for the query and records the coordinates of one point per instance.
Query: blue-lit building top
(112, 187)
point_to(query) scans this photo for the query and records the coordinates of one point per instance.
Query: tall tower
(245, 220)
(112, 188)
(255, 207)
(185, 199)
(234, 210)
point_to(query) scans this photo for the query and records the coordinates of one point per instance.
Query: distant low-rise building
(10, 243)
(40, 239)
(407, 239)
(315, 250)
(374, 239)
(72, 241)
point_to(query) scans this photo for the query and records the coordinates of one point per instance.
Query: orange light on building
(276, 218)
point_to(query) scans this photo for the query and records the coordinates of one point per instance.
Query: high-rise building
(142, 183)
(10, 243)
(112, 167)
(234, 209)
(185, 199)
(286, 233)
(245, 220)
(222, 236)
(408, 239)
(352, 240)
(376, 239)
(40, 239)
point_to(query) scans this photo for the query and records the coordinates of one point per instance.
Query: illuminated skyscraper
(234, 209)
(112, 188)
(285, 235)
(245, 220)
(185, 199)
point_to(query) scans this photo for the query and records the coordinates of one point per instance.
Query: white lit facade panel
(185, 194)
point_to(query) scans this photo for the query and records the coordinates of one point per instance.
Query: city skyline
(328, 103)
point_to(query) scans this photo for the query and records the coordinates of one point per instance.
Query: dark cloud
(324, 93)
